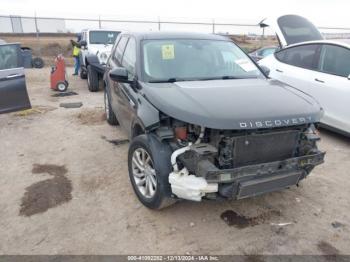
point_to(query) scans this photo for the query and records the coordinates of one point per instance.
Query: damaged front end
(236, 164)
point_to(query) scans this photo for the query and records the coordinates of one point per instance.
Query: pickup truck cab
(96, 45)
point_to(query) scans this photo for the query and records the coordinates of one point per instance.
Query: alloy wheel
(143, 173)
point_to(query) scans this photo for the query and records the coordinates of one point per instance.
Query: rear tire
(38, 62)
(92, 78)
(110, 116)
(156, 169)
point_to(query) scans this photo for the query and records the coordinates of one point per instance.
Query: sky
(330, 13)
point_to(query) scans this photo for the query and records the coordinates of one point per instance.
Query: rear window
(297, 29)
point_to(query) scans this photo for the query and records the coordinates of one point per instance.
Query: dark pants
(76, 65)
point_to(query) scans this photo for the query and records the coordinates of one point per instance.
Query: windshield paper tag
(168, 52)
(245, 64)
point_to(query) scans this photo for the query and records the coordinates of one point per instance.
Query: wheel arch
(137, 129)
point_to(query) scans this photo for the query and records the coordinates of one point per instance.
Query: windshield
(173, 60)
(102, 37)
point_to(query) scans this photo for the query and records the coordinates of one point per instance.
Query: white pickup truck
(96, 45)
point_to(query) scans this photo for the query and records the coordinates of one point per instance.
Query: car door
(333, 85)
(295, 66)
(292, 29)
(117, 95)
(129, 100)
(13, 90)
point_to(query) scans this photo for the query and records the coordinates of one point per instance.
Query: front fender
(93, 61)
(147, 114)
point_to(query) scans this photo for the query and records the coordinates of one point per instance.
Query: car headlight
(103, 57)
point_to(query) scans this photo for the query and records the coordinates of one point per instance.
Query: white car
(318, 67)
(96, 46)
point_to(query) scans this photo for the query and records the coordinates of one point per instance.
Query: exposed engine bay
(235, 164)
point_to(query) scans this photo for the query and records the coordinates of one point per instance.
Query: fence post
(37, 33)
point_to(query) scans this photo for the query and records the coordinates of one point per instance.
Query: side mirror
(83, 43)
(120, 74)
(265, 69)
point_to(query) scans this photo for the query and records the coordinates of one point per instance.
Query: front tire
(110, 116)
(149, 169)
(92, 79)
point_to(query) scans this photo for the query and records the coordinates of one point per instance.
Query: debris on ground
(192, 224)
(92, 117)
(35, 110)
(70, 93)
(337, 224)
(71, 105)
(281, 224)
(116, 142)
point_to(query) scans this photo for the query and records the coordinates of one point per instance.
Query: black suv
(204, 121)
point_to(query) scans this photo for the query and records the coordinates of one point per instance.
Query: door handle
(278, 70)
(13, 76)
(131, 102)
(319, 80)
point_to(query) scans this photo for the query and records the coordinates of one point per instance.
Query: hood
(95, 49)
(292, 29)
(101, 51)
(234, 104)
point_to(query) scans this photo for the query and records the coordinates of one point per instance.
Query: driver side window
(9, 56)
(129, 58)
(120, 50)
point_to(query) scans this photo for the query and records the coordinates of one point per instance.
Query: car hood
(95, 49)
(234, 104)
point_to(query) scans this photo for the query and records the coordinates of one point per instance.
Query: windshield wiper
(169, 80)
(230, 77)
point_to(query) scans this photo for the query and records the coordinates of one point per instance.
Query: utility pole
(37, 33)
(99, 22)
(213, 26)
(158, 23)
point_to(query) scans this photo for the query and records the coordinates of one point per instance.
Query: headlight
(103, 57)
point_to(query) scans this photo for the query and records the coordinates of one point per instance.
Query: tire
(110, 116)
(92, 78)
(83, 74)
(38, 62)
(157, 172)
(62, 86)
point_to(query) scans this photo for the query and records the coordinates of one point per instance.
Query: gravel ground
(64, 189)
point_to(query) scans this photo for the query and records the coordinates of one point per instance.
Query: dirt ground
(64, 189)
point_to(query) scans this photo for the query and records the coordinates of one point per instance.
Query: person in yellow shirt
(76, 52)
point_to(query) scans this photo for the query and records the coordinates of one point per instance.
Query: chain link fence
(48, 36)
(32, 24)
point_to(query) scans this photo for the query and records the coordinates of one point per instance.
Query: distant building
(18, 24)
